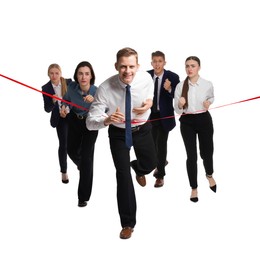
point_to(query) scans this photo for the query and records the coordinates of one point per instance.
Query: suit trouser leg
(126, 199)
(160, 137)
(205, 136)
(86, 164)
(145, 151)
(75, 139)
(189, 136)
(62, 132)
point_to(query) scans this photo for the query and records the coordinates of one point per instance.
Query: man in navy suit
(162, 111)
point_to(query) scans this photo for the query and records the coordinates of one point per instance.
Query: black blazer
(49, 106)
(166, 100)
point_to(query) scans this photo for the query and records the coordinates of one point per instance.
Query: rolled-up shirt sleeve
(177, 96)
(210, 94)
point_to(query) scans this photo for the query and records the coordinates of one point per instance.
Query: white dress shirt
(57, 90)
(198, 92)
(111, 94)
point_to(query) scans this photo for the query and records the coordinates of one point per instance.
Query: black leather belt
(80, 117)
(136, 128)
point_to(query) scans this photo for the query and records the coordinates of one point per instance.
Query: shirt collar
(196, 83)
(122, 84)
(56, 86)
(160, 76)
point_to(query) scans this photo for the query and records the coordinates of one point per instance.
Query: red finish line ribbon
(44, 93)
(234, 103)
(133, 121)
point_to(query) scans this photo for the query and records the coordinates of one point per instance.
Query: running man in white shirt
(108, 109)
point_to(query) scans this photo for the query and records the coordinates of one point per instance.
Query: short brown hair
(126, 52)
(158, 54)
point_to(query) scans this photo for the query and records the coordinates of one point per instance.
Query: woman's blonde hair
(62, 80)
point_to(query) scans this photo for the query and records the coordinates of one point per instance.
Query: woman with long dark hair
(193, 97)
(81, 141)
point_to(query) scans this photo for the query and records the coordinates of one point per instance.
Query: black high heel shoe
(66, 179)
(194, 199)
(214, 187)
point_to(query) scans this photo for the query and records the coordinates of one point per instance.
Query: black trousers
(160, 137)
(81, 146)
(62, 132)
(193, 125)
(145, 161)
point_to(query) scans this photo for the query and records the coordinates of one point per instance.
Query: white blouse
(198, 92)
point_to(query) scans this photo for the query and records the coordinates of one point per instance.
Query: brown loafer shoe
(141, 180)
(126, 232)
(159, 183)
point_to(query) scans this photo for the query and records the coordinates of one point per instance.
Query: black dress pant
(145, 162)
(160, 137)
(62, 132)
(193, 125)
(81, 145)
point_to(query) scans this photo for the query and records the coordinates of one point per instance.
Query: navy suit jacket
(166, 100)
(49, 106)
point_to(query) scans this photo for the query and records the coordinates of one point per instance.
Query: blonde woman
(57, 87)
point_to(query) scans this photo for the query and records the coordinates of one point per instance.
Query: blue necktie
(128, 130)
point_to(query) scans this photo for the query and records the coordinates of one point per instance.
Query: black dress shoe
(194, 199)
(65, 181)
(82, 203)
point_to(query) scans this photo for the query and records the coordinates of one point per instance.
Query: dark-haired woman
(57, 87)
(193, 97)
(81, 141)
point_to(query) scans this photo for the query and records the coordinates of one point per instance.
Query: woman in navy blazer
(57, 87)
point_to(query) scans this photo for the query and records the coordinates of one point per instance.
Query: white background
(39, 216)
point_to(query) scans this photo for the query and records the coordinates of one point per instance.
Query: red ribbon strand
(133, 122)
